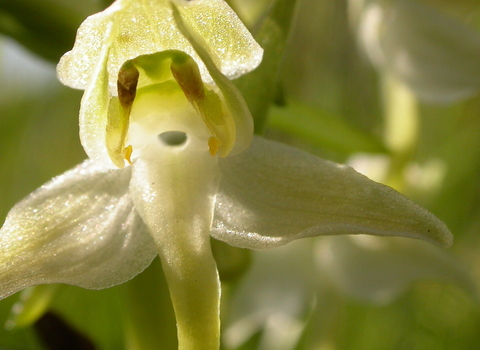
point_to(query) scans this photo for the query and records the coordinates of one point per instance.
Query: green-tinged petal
(378, 269)
(272, 194)
(435, 54)
(80, 229)
(94, 108)
(148, 26)
(173, 187)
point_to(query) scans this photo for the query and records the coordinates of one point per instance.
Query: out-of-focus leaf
(47, 27)
(28, 155)
(262, 85)
(458, 128)
(97, 314)
(322, 129)
(23, 339)
(148, 312)
(33, 303)
(232, 262)
(253, 343)
(34, 110)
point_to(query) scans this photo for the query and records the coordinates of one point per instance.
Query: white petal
(272, 194)
(80, 229)
(378, 269)
(147, 26)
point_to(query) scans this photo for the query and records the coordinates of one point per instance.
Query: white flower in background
(294, 284)
(434, 53)
(378, 270)
(285, 284)
(173, 160)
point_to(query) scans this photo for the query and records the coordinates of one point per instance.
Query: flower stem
(195, 291)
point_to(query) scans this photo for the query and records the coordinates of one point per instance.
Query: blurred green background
(327, 98)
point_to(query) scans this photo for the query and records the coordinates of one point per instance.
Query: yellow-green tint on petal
(145, 70)
(116, 132)
(220, 122)
(148, 26)
(155, 67)
(232, 98)
(160, 99)
(163, 108)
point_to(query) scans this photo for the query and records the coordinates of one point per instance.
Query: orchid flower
(427, 47)
(377, 270)
(173, 161)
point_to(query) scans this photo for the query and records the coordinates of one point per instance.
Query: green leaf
(97, 314)
(18, 339)
(260, 87)
(232, 262)
(149, 316)
(322, 129)
(33, 303)
(46, 27)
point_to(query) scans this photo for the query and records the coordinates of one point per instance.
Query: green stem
(195, 291)
(401, 127)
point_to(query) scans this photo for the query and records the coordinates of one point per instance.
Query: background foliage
(328, 99)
